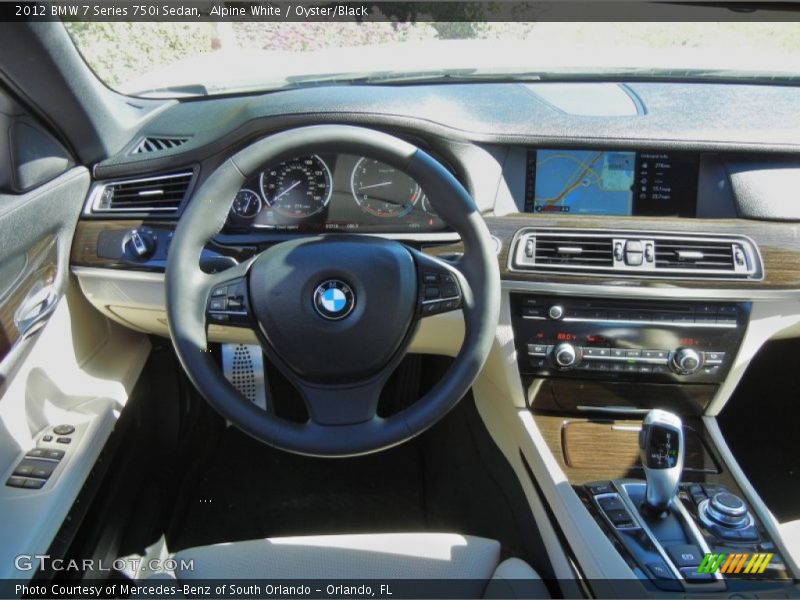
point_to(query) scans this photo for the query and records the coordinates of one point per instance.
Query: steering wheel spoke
(441, 286)
(341, 405)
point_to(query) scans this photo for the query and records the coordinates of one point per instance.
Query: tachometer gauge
(246, 205)
(297, 188)
(428, 207)
(382, 190)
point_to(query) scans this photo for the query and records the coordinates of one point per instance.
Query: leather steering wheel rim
(188, 288)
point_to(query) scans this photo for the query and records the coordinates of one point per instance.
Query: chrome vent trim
(158, 144)
(661, 254)
(161, 194)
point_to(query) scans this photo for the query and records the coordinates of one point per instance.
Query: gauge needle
(374, 185)
(287, 190)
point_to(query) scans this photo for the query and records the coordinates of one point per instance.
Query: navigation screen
(611, 182)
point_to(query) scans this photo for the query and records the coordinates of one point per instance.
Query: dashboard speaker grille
(161, 193)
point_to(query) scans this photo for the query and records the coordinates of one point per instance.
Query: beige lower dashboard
(138, 301)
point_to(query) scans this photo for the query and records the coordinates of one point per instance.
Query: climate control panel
(683, 341)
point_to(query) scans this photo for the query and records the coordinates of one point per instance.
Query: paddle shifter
(661, 450)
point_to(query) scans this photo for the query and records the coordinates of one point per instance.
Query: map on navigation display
(597, 182)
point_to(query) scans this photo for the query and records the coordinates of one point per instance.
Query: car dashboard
(645, 258)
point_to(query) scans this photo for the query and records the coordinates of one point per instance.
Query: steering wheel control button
(63, 429)
(439, 292)
(227, 304)
(334, 299)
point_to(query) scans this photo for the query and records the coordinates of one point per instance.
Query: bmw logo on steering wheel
(334, 299)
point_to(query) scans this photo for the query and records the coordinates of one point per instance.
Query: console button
(36, 453)
(600, 488)
(23, 470)
(690, 574)
(620, 518)
(685, 555)
(54, 454)
(533, 311)
(537, 349)
(34, 484)
(633, 353)
(66, 440)
(610, 503)
(47, 438)
(16, 481)
(659, 570)
(63, 429)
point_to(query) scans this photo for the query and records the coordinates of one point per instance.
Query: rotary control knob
(727, 509)
(555, 312)
(140, 243)
(686, 361)
(565, 356)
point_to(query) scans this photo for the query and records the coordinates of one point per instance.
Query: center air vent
(160, 193)
(631, 253)
(573, 251)
(158, 144)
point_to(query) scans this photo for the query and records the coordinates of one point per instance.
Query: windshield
(180, 59)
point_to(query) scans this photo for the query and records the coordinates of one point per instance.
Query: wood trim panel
(41, 265)
(84, 243)
(779, 244)
(590, 450)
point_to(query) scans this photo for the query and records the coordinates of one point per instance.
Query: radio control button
(555, 312)
(537, 349)
(618, 352)
(633, 353)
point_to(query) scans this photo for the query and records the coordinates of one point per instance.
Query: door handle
(38, 305)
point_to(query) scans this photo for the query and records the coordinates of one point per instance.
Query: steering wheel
(335, 313)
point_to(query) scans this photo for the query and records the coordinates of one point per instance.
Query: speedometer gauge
(297, 188)
(382, 190)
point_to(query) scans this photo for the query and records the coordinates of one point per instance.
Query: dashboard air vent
(160, 193)
(633, 253)
(691, 254)
(157, 144)
(559, 251)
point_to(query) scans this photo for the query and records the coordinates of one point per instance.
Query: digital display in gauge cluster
(342, 192)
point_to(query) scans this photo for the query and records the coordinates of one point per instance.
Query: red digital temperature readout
(566, 337)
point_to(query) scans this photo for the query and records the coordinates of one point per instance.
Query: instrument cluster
(339, 192)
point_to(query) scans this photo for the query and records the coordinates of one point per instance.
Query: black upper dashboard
(725, 147)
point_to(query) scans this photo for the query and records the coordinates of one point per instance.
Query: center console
(682, 536)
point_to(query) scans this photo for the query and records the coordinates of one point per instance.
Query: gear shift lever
(661, 450)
